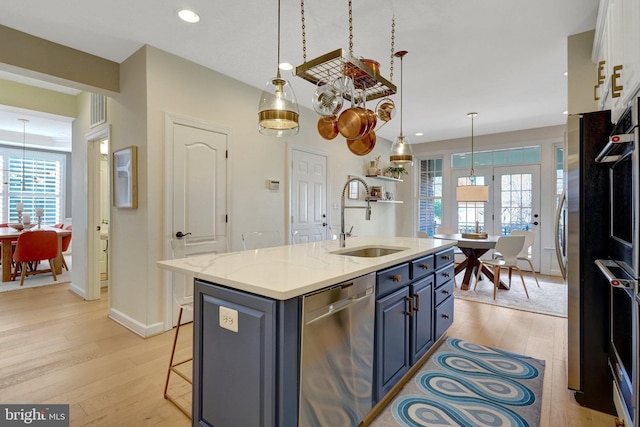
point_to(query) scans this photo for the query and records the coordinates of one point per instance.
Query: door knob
(181, 235)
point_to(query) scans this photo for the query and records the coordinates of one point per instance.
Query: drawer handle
(446, 257)
(445, 316)
(397, 278)
(446, 292)
(417, 305)
(445, 274)
(425, 266)
(410, 312)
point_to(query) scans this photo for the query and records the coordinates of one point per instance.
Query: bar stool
(185, 303)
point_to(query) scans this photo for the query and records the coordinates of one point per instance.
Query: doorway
(98, 208)
(196, 215)
(308, 196)
(514, 203)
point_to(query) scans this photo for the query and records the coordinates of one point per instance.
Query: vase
(372, 168)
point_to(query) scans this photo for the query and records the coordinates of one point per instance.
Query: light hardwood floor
(57, 348)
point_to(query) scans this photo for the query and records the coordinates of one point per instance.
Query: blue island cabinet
(245, 359)
(406, 326)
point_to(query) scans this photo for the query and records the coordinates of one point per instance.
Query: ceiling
(505, 59)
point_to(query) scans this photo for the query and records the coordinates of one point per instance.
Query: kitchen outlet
(229, 319)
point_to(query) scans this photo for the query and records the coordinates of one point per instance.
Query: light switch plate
(228, 319)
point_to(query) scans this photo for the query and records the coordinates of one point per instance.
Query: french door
(514, 203)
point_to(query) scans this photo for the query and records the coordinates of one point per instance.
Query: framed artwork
(125, 178)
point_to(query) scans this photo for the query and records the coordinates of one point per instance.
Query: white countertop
(285, 272)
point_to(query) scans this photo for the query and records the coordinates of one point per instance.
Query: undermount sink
(369, 251)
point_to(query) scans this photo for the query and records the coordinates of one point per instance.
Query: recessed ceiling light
(188, 16)
(285, 66)
(565, 112)
(419, 133)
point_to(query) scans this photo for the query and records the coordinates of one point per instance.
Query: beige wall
(582, 73)
(154, 82)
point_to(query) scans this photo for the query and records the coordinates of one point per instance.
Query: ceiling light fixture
(401, 149)
(473, 193)
(278, 109)
(285, 66)
(188, 16)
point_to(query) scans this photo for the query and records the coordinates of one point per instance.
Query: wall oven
(621, 267)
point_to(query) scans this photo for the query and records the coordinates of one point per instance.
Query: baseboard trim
(82, 293)
(134, 325)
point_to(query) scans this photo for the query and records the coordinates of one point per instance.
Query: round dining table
(473, 249)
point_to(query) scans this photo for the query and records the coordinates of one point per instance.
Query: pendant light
(473, 193)
(401, 151)
(278, 108)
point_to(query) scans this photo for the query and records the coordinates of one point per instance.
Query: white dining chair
(260, 239)
(529, 237)
(509, 247)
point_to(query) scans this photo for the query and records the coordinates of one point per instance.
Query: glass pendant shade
(278, 109)
(401, 151)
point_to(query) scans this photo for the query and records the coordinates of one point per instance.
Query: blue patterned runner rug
(466, 384)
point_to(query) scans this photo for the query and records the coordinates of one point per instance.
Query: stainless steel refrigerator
(587, 228)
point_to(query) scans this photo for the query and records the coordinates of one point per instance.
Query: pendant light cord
(278, 74)
(472, 172)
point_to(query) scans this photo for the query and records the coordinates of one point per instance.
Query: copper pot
(328, 127)
(372, 65)
(364, 145)
(386, 109)
(373, 119)
(353, 123)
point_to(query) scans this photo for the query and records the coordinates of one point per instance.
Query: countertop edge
(223, 275)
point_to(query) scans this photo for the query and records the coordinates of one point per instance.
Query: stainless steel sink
(369, 251)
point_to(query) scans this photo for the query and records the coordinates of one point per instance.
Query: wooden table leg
(6, 260)
(471, 265)
(57, 262)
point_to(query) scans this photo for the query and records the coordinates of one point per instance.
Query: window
(36, 182)
(430, 195)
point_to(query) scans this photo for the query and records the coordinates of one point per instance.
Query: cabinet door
(422, 318)
(392, 341)
(234, 370)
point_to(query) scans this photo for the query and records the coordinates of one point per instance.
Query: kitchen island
(249, 320)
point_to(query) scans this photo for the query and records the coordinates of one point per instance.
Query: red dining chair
(66, 240)
(34, 246)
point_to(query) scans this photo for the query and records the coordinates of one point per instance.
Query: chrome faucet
(367, 216)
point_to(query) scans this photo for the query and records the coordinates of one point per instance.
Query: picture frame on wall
(125, 178)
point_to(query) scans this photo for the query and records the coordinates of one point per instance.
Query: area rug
(550, 298)
(466, 384)
(38, 279)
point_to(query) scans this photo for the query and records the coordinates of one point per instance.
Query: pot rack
(338, 63)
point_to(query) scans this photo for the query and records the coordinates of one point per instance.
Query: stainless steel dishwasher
(336, 368)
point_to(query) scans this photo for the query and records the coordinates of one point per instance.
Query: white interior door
(516, 203)
(308, 196)
(198, 194)
(104, 213)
